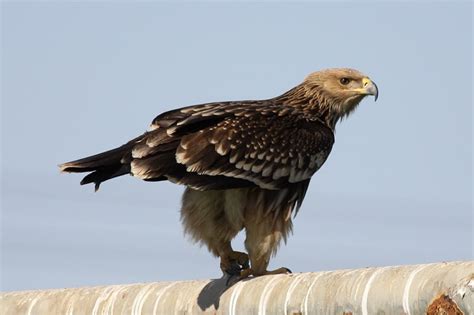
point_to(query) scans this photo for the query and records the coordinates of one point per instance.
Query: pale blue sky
(79, 78)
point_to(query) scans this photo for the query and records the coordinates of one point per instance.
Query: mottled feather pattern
(260, 148)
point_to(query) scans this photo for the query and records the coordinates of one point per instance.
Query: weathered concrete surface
(441, 288)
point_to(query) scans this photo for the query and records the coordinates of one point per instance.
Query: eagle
(245, 164)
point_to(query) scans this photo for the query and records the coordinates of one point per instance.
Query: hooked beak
(370, 88)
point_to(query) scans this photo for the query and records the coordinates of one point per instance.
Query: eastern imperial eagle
(246, 164)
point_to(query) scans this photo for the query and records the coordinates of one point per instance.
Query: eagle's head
(339, 90)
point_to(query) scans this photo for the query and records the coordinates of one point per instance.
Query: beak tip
(376, 94)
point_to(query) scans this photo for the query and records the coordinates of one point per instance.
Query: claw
(234, 269)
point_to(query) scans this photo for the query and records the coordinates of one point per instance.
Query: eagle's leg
(263, 237)
(212, 218)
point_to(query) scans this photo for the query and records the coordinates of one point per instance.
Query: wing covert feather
(269, 150)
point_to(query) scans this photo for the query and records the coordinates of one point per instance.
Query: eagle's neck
(313, 102)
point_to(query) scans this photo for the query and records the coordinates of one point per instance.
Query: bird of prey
(245, 164)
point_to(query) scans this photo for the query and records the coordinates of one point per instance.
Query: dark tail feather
(106, 173)
(104, 166)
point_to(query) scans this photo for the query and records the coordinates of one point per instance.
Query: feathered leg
(212, 219)
(264, 234)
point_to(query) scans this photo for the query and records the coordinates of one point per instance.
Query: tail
(103, 166)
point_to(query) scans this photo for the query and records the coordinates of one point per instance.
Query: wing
(233, 144)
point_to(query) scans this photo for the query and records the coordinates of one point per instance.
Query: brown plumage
(246, 164)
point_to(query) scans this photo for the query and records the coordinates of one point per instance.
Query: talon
(288, 270)
(233, 269)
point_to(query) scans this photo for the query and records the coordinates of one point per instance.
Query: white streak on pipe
(357, 288)
(101, 298)
(109, 304)
(139, 300)
(32, 303)
(309, 291)
(235, 295)
(262, 305)
(70, 309)
(160, 294)
(292, 288)
(406, 291)
(365, 295)
(470, 284)
(70, 305)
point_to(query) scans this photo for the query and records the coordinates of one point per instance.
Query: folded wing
(230, 145)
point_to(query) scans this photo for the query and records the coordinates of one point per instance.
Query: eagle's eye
(345, 81)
